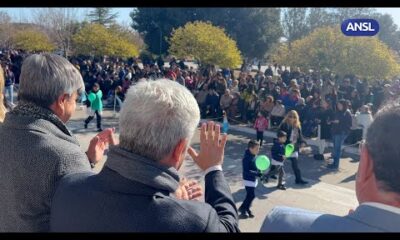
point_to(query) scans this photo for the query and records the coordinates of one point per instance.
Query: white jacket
(364, 120)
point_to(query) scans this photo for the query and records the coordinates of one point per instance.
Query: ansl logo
(360, 27)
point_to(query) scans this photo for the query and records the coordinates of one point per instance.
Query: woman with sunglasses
(292, 127)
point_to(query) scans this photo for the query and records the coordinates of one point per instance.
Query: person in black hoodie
(292, 127)
(324, 118)
(341, 124)
(250, 174)
(278, 156)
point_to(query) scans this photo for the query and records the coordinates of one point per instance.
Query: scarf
(28, 109)
(143, 170)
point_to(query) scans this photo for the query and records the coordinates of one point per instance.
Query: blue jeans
(9, 90)
(338, 140)
(119, 101)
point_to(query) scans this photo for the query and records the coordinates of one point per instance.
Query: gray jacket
(365, 218)
(34, 155)
(135, 194)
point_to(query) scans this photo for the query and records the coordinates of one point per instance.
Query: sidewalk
(325, 192)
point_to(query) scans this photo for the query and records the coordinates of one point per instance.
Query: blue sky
(22, 14)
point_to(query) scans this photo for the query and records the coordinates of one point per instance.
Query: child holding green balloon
(278, 153)
(250, 174)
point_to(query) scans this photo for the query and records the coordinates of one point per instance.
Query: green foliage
(328, 48)
(298, 22)
(206, 43)
(95, 39)
(254, 29)
(32, 40)
(102, 16)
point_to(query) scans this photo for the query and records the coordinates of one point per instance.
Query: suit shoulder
(193, 214)
(288, 219)
(74, 180)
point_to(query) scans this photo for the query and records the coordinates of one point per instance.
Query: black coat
(249, 166)
(288, 130)
(325, 116)
(345, 122)
(135, 194)
(278, 151)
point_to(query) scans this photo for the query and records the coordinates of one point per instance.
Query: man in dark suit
(134, 192)
(377, 188)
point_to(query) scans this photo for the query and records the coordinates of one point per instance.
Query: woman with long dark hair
(292, 127)
(325, 116)
(341, 124)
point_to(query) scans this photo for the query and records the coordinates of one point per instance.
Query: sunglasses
(292, 117)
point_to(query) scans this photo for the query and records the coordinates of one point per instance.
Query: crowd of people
(51, 186)
(246, 95)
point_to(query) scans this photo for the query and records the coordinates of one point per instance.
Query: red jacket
(261, 124)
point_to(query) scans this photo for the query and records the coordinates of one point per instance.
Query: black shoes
(281, 187)
(86, 125)
(249, 213)
(244, 211)
(99, 130)
(301, 182)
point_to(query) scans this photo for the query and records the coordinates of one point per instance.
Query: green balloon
(289, 149)
(262, 162)
(92, 97)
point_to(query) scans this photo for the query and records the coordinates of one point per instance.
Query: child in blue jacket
(250, 174)
(278, 157)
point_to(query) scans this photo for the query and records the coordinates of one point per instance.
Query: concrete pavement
(328, 192)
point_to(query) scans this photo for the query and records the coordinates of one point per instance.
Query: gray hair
(45, 77)
(383, 147)
(156, 116)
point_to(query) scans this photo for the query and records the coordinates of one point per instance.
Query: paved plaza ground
(328, 191)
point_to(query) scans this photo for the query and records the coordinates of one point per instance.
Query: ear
(58, 106)
(365, 167)
(366, 185)
(179, 152)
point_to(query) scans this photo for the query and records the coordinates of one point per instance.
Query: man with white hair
(36, 147)
(134, 190)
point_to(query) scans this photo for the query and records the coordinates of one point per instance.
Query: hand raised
(212, 146)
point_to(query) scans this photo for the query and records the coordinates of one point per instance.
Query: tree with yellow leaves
(33, 40)
(206, 43)
(97, 40)
(327, 48)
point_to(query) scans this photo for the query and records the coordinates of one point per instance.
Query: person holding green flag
(96, 106)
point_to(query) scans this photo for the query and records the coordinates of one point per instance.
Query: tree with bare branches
(60, 24)
(6, 31)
